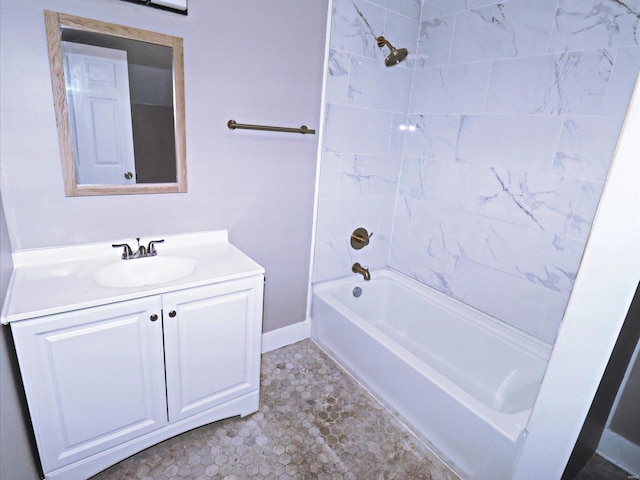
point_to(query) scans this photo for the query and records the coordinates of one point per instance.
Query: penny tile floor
(314, 421)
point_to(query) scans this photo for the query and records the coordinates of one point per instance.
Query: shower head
(396, 55)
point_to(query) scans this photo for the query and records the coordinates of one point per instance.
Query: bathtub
(463, 381)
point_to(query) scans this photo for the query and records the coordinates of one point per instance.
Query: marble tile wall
(479, 162)
(366, 105)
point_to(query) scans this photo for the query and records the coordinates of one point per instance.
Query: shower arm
(383, 41)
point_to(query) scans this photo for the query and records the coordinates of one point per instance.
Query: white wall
(255, 62)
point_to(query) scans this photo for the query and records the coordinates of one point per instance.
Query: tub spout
(357, 268)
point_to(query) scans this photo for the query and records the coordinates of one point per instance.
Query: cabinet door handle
(172, 313)
(153, 317)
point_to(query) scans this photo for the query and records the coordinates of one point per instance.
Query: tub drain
(357, 292)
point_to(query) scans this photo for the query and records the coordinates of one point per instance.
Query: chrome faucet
(357, 268)
(148, 251)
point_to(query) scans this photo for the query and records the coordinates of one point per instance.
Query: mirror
(119, 103)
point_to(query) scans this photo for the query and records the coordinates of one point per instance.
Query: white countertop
(55, 280)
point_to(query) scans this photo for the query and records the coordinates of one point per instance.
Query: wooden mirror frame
(54, 23)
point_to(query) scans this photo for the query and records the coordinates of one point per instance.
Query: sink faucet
(142, 252)
(357, 268)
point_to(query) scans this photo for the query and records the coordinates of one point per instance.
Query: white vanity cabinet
(212, 334)
(106, 381)
(94, 378)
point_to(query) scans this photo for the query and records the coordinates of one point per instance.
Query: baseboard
(286, 336)
(620, 451)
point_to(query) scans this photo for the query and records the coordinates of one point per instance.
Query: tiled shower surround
(477, 163)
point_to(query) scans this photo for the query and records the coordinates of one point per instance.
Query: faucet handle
(360, 238)
(127, 250)
(151, 249)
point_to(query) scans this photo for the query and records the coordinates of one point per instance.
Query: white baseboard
(286, 336)
(620, 451)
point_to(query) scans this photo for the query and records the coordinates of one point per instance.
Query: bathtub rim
(541, 348)
(510, 425)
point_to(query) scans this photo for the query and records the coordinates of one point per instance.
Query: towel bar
(303, 129)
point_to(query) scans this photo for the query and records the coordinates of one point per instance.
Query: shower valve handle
(360, 238)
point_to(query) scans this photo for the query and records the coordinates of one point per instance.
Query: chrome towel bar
(303, 129)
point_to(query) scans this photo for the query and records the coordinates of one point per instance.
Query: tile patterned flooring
(314, 422)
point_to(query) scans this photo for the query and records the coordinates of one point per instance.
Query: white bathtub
(463, 381)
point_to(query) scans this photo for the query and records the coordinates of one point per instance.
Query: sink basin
(144, 271)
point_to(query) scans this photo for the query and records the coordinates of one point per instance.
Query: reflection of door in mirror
(149, 90)
(100, 114)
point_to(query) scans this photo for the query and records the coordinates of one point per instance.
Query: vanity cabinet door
(212, 344)
(94, 378)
